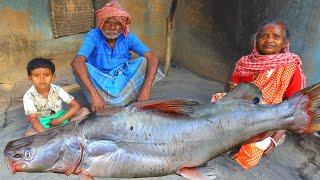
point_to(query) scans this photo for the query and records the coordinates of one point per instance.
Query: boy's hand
(34, 121)
(56, 122)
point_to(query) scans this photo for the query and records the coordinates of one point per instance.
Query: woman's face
(271, 40)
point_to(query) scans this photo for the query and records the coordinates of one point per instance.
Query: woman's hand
(229, 86)
(275, 140)
(270, 149)
(217, 97)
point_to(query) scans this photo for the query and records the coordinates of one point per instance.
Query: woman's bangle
(274, 142)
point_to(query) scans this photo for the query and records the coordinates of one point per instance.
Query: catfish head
(56, 150)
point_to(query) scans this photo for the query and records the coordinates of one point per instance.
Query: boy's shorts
(45, 121)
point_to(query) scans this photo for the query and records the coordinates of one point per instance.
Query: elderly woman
(276, 72)
(103, 65)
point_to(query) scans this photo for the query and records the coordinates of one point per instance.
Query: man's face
(272, 39)
(112, 28)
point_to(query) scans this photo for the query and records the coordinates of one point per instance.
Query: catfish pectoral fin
(193, 173)
(83, 175)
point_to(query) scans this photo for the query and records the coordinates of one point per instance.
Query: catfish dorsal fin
(179, 106)
(246, 91)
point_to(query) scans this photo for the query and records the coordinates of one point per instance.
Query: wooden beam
(168, 57)
(71, 88)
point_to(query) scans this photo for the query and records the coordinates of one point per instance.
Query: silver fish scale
(148, 144)
(141, 148)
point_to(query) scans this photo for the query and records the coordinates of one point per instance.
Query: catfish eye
(255, 100)
(27, 153)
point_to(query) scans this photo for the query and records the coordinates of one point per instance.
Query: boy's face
(41, 78)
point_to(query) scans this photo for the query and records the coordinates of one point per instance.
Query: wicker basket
(71, 16)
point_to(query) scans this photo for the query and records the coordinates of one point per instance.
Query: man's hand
(144, 94)
(56, 122)
(80, 69)
(98, 104)
(152, 66)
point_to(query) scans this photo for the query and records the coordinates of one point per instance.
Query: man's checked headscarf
(113, 9)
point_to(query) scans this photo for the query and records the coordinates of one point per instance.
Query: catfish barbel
(161, 137)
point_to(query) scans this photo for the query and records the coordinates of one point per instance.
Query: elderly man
(103, 65)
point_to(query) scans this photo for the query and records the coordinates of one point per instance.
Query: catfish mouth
(15, 161)
(10, 165)
(14, 158)
(43, 152)
(13, 165)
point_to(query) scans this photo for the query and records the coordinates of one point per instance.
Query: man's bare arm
(152, 66)
(80, 69)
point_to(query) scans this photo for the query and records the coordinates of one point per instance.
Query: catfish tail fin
(307, 110)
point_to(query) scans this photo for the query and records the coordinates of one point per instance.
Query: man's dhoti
(121, 85)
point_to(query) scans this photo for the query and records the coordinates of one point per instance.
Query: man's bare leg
(109, 111)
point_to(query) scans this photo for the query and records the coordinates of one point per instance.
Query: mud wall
(205, 36)
(149, 22)
(211, 35)
(26, 32)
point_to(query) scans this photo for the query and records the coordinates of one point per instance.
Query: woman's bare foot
(81, 114)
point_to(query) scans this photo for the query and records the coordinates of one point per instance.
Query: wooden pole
(71, 88)
(169, 36)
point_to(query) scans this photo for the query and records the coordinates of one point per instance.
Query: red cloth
(249, 67)
(113, 9)
(294, 86)
(274, 83)
(249, 156)
(278, 76)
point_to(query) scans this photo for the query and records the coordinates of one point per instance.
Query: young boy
(43, 101)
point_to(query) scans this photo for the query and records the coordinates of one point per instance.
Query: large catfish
(161, 137)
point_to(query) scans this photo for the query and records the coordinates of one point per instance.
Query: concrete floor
(289, 161)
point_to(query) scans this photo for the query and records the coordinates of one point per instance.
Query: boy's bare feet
(30, 131)
(81, 114)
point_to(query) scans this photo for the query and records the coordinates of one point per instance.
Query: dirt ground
(289, 161)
